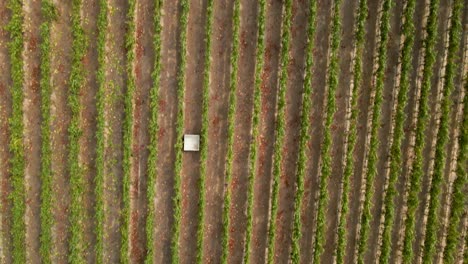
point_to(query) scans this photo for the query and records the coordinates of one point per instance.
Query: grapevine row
(443, 132)
(153, 132)
(352, 133)
(398, 135)
(100, 127)
(255, 119)
(304, 134)
(280, 123)
(330, 109)
(417, 168)
(231, 121)
(366, 216)
(77, 243)
(48, 13)
(127, 129)
(179, 129)
(17, 196)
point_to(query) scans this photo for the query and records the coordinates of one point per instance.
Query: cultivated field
(332, 131)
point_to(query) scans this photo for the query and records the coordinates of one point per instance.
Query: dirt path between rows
(295, 81)
(87, 155)
(217, 130)
(32, 126)
(166, 135)
(115, 79)
(266, 127)
(190, 173)
(362, 104)
(339, 128)
(242, 130)
(311, 180)
(5, 112)
(61, 42)
(143, 66)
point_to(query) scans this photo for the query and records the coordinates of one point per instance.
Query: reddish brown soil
(32, 124)
(217, 130)
(242, 130)
(167, 115)
(114, 84)
(61, 63)
(265, 139)
(5, 111)
(287, 183)
(311, 181)
(88, 123)
(193, 123)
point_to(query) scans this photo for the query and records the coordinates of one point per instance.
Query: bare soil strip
(32, 124)
(420, 20)
(340, 127)
(5, 112)
(166, 135)
(88, 122)
(319, 69)
(143, 65)
(265, 139)
(114, 83)
(217, 132)
(431, 134)
(192, 124)
(386, 131)
(242, 130)
(363, 98)
(295, 80)
(61, 64)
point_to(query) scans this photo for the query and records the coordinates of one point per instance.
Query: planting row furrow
(77, 243)
(127, 130)
(16, 146)
(304, 135)
(191, 162)
(351, 130)
(370, 165)
(153, 133)
(179, 125)
(266, 129)
(204, 130)
(216, 142)
(143, 63)
(330, 109)
(100, 164)
(239, 185)
(280, 126)
(416, 171)
(430, 237)
(292, 115)
(254, 147)
(230, 130)
(398, 118)
(88, 121)
(32, 139)
(46, 211)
